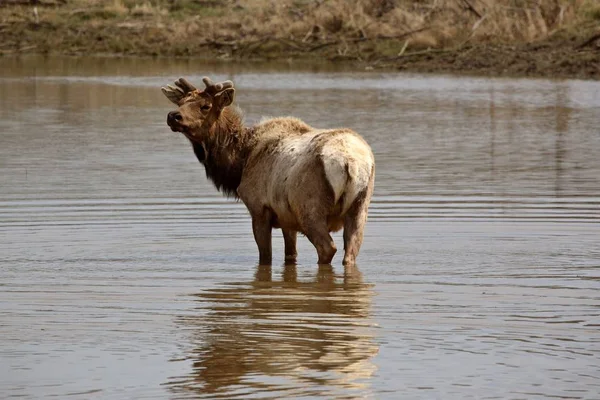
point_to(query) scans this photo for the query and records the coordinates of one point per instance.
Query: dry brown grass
(342, 28)
(439, 22)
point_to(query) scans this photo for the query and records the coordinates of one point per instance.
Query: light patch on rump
(348, 163)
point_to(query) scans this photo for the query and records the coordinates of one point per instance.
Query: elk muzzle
(174, 119)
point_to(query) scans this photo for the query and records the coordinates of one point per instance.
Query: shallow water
(124, 274)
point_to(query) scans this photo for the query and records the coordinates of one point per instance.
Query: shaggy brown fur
(288, 174)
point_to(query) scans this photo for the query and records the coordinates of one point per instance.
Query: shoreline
(121, 29)
(484, 61)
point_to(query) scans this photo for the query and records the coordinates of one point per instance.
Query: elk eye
(205, 108)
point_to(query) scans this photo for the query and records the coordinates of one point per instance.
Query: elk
(287, 173)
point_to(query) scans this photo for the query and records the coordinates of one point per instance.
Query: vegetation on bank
(530, 37)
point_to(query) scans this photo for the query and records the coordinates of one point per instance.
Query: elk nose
(174, 116)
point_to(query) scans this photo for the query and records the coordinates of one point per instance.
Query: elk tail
(348, 178)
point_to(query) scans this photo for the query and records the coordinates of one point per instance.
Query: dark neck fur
(225, 150)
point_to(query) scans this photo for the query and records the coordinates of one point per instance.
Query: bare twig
(404, 34)
(289, 43)
(26, 48)
(404, 47)
(416, 53)
(475, 27)
(589, 41)
(308, 34)
(321, 45)
(471, 8)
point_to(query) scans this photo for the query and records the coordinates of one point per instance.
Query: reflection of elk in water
(282, 337)
(288, 174)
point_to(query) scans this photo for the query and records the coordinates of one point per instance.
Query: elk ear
(226, 97)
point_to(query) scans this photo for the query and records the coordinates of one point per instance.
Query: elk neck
(225, 150)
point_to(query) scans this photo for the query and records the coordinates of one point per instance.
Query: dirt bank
(549, 38)
(553, 58)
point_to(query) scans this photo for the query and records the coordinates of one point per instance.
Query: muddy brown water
(124, 274)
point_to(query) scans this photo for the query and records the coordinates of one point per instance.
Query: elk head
(198, 110)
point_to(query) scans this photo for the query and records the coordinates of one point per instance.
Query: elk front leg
(289, 238)
(261, 227)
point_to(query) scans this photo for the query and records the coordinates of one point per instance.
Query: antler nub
(175, 94)
(214, 88)
(185, 85)
(207, 81)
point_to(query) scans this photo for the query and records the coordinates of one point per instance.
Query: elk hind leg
(354, 225)
(317, 232)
